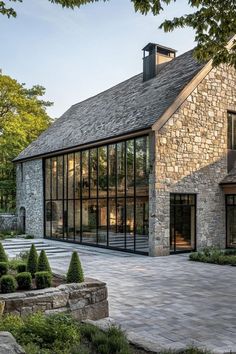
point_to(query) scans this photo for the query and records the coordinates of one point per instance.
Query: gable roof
(130, 106)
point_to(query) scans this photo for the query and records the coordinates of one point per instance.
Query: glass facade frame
(101, 191)
(230, 202)
(183, 215)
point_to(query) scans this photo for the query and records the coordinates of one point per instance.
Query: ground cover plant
(61, 334)
(215, 255)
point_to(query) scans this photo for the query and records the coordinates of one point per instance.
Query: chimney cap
(150, 46)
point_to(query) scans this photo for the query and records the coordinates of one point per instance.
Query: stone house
(146, 166)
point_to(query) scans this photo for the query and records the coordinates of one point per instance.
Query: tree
(23, 118)
(32, 262)
(214, 22)
(43, 264)
(75, 272)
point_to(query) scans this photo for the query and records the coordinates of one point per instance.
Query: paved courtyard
(165, 302)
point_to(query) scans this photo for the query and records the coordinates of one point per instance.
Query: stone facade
(84, 301)
(8, 222)
(191, 157)
(30, 196)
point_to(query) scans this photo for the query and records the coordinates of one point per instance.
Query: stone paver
(163, 302)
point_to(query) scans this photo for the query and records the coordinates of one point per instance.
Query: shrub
(75, 272)
(43, 280)
(32, 262)
(24, 255)
(24, 281)
(29, 237)
(8, 284)
(21, 267)
(3, 268)
(43, 264)
(3, 256)
(11, 323)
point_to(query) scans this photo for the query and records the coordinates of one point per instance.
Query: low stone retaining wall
(8, 222)
(84, 301)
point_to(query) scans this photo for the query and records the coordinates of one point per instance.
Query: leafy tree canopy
(214, 22)
(23, 118)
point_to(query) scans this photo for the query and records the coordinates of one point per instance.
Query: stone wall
(8, 222)
(86, 300)
(30, 196)
(190, 157)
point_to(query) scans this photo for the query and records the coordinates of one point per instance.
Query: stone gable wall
(30, 196)
(191, 157)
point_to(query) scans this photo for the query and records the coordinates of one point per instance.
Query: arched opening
(22, 220)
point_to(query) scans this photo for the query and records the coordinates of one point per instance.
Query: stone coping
(87, 300)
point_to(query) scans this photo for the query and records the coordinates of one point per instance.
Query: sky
(76, 54)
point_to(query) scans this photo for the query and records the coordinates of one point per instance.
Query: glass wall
(99, 196)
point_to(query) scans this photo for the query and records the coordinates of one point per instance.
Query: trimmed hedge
(75, 272)
(24, 281)
(215, 256)
(8, 284)
(32, 262)
(43, 264)
(3, 268)
(3, 255)
(21, 268)
(43, 280)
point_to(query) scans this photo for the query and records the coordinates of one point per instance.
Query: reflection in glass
(77, 175)
(102, 222)
(89, 221)
(56, 218)
(142, 166)
(102, 171)
(142, 217)
(60, 177)
(54, 178)
(70, 219)
(121, 169)
(48, 179)
(70, 176)
(130, 223)
(112, 170)
(77, 220)
(231, 220)
(130, 167)
(100, 196)
(85, 174)
(93, 173)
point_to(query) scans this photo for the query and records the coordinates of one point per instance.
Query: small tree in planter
(24, 281)
(75, 272)
(3, 256)
(3, 268)
(43, 280)
(32, 262)
(43, 264)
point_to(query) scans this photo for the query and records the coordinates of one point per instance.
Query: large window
(232, 131)
(99, 196)
(231, 220)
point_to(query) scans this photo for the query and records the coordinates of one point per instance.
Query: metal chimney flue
(153, 55)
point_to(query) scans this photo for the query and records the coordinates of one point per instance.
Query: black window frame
(117, 197)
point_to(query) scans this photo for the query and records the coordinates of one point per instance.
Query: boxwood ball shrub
(3, 268)
(75, 272)
(8, 284)
(3, 256)
(43, 264)
(24, 281)
(43, 280)
(32, 262)
(21, 267)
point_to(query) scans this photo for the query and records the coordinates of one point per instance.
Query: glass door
(182, 222)
(231, 220)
